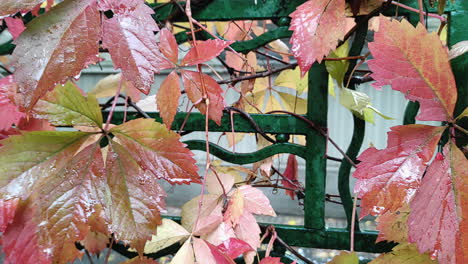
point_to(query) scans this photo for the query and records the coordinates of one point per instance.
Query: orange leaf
(205, 51)
(168, 45)
(167, 99)
(422, 72)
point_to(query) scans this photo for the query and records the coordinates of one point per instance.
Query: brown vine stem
(421, 12)
(293, 251)
(363, 59)
(318, 129)
(353, 222)
(259, 75)
(111, 112)
(460, 129)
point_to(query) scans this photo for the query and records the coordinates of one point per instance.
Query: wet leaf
(205, 51)
(8, 7)
(108, 86)
(388, 178)
(54, 47)
(439, 209)
(129, 37)
(196, 84)
(15, 26)
(345, 258)
(234, 247)
(256, 201)
(248, 230)
(209, 217)
(8, 110)
(168, 45)
(205, 252)
(422, 72)
(317, 27)
(359, 104)
(393, 226)
(404, 254)
(7, 212)
(169, 233)
(168, 98)
(66, 106)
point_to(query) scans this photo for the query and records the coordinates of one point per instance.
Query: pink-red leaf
(388, 178)
(317, 27)
(8, 7)
(256, 201)
(167, 99)
(15, 26)
(140, 260)
(196, 84)
(291, 174)
(168, 45)
(248, 230)
(271, 260)
(129, 37)
(205, 51)
(7, 212)
(422, 72)
(207, 253)
(233, 247)
(54, 47)
(434, 221)
(157, 150)
(8, 110)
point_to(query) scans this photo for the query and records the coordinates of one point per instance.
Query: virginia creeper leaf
(235, 208)
(205, 51)
(436, 211)
(8, 110)
(317, 27)
(168, 45)
(214, 181)
(15, 26)
(256, 201)
(345, 258)
(185, 254)
(393, 226)
(248, 230)
(8, 7)
(271, 260)
(209, 254)
(167, 99)
(135, 200)
(196, 84)
(108, 86)
(404, 254)
(157, 150)
(66, 106)
(129, 37)
(209, 217)
(337, 69)
(291, 175)
(222, 233)
(292, 79)
(28, 157)
(54, 47)
(169, 233)
(388, 178)
(233, 247)
(140, 260)
(422, 72)
(65, 199)
(359, 104)
(7, 212)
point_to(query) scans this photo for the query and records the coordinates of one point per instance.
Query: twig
(276, 186)
(106, 260)
(460, 129)
(271, 57)
(6, 69)
(251, 121)
(421, 12)
(258, 75)
(111, 112)
(353, 220)
(293, 251)
(441, 18)
(90, 259)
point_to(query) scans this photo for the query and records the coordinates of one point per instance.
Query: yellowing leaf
(345, 258)
(404, 254)
(337, 69)
(169, 233)
(218, 182)
(359, 104)
(108, 86)
(185, 254)
(292, 79)
(210, 214)
(463, 114)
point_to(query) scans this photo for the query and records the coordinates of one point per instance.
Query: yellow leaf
(185, 254)
(292, 79)
(345, 258)
(168, 233)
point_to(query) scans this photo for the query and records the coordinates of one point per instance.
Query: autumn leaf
(8, 110)
(204, 51)
(439, 208)
(157, 150)
(168, 45)
(234, 247)
(185, 254)
(388, 178)
(404, 254)
(291, 175)
(196, 85)
(207, 253)
(393, 226)
(317, 27)
(218, 182)
(359, 104)
(293, 79)
(345, 258)
(235, 208)
(271, 260)
(7, 212)
(15, 26)
(66, 106)
(108, 86)
(129, 37)
(458, 49)
(248, 230)
(140, 260)
(422, 72)
(8, 7)
(255, 201)
(169, 233)
(44, 58)
(168, 98)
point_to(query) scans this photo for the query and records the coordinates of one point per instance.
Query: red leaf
(205, 51)
(234, 247)
(207, 253)
(433, 221)
(129, 37)
(168, 45)
(195, 83)
(271, 260)
(388, 178)
(255, 201)
(422, 72)
(8, 110)
(15, 26)
(19, 241)
(248, 230)
(8, 7)
(167, 99)
(291, 173)
(44, 57)
(317, 27)
(7, 212)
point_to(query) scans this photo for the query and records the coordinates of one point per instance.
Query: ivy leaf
(205, 51)
(8, 110)
(291, 174)
(195, 84)
(64, 199)
(234, 247)
(248, 230)
(421, 72)
(135, 200)
(207, 253)
(15, 26)
(439, 208)
(209, 217)
(28, 157)
(168, 45)
(167, 99)
(8, 7)
(317, 27)
(169, 233)
(129, 37)
(66, 106)
(157, 150)
(393, 226)
(235, 208)
(54, 47)
(388, 178)
(404, 254)
(345, 258)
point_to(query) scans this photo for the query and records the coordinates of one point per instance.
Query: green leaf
(345, 258)
(66, 106)
(337, 69)
(463, 114)
(360, 104)
(26, 158)
(404, 254)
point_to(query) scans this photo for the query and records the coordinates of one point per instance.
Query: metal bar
(316, 145)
